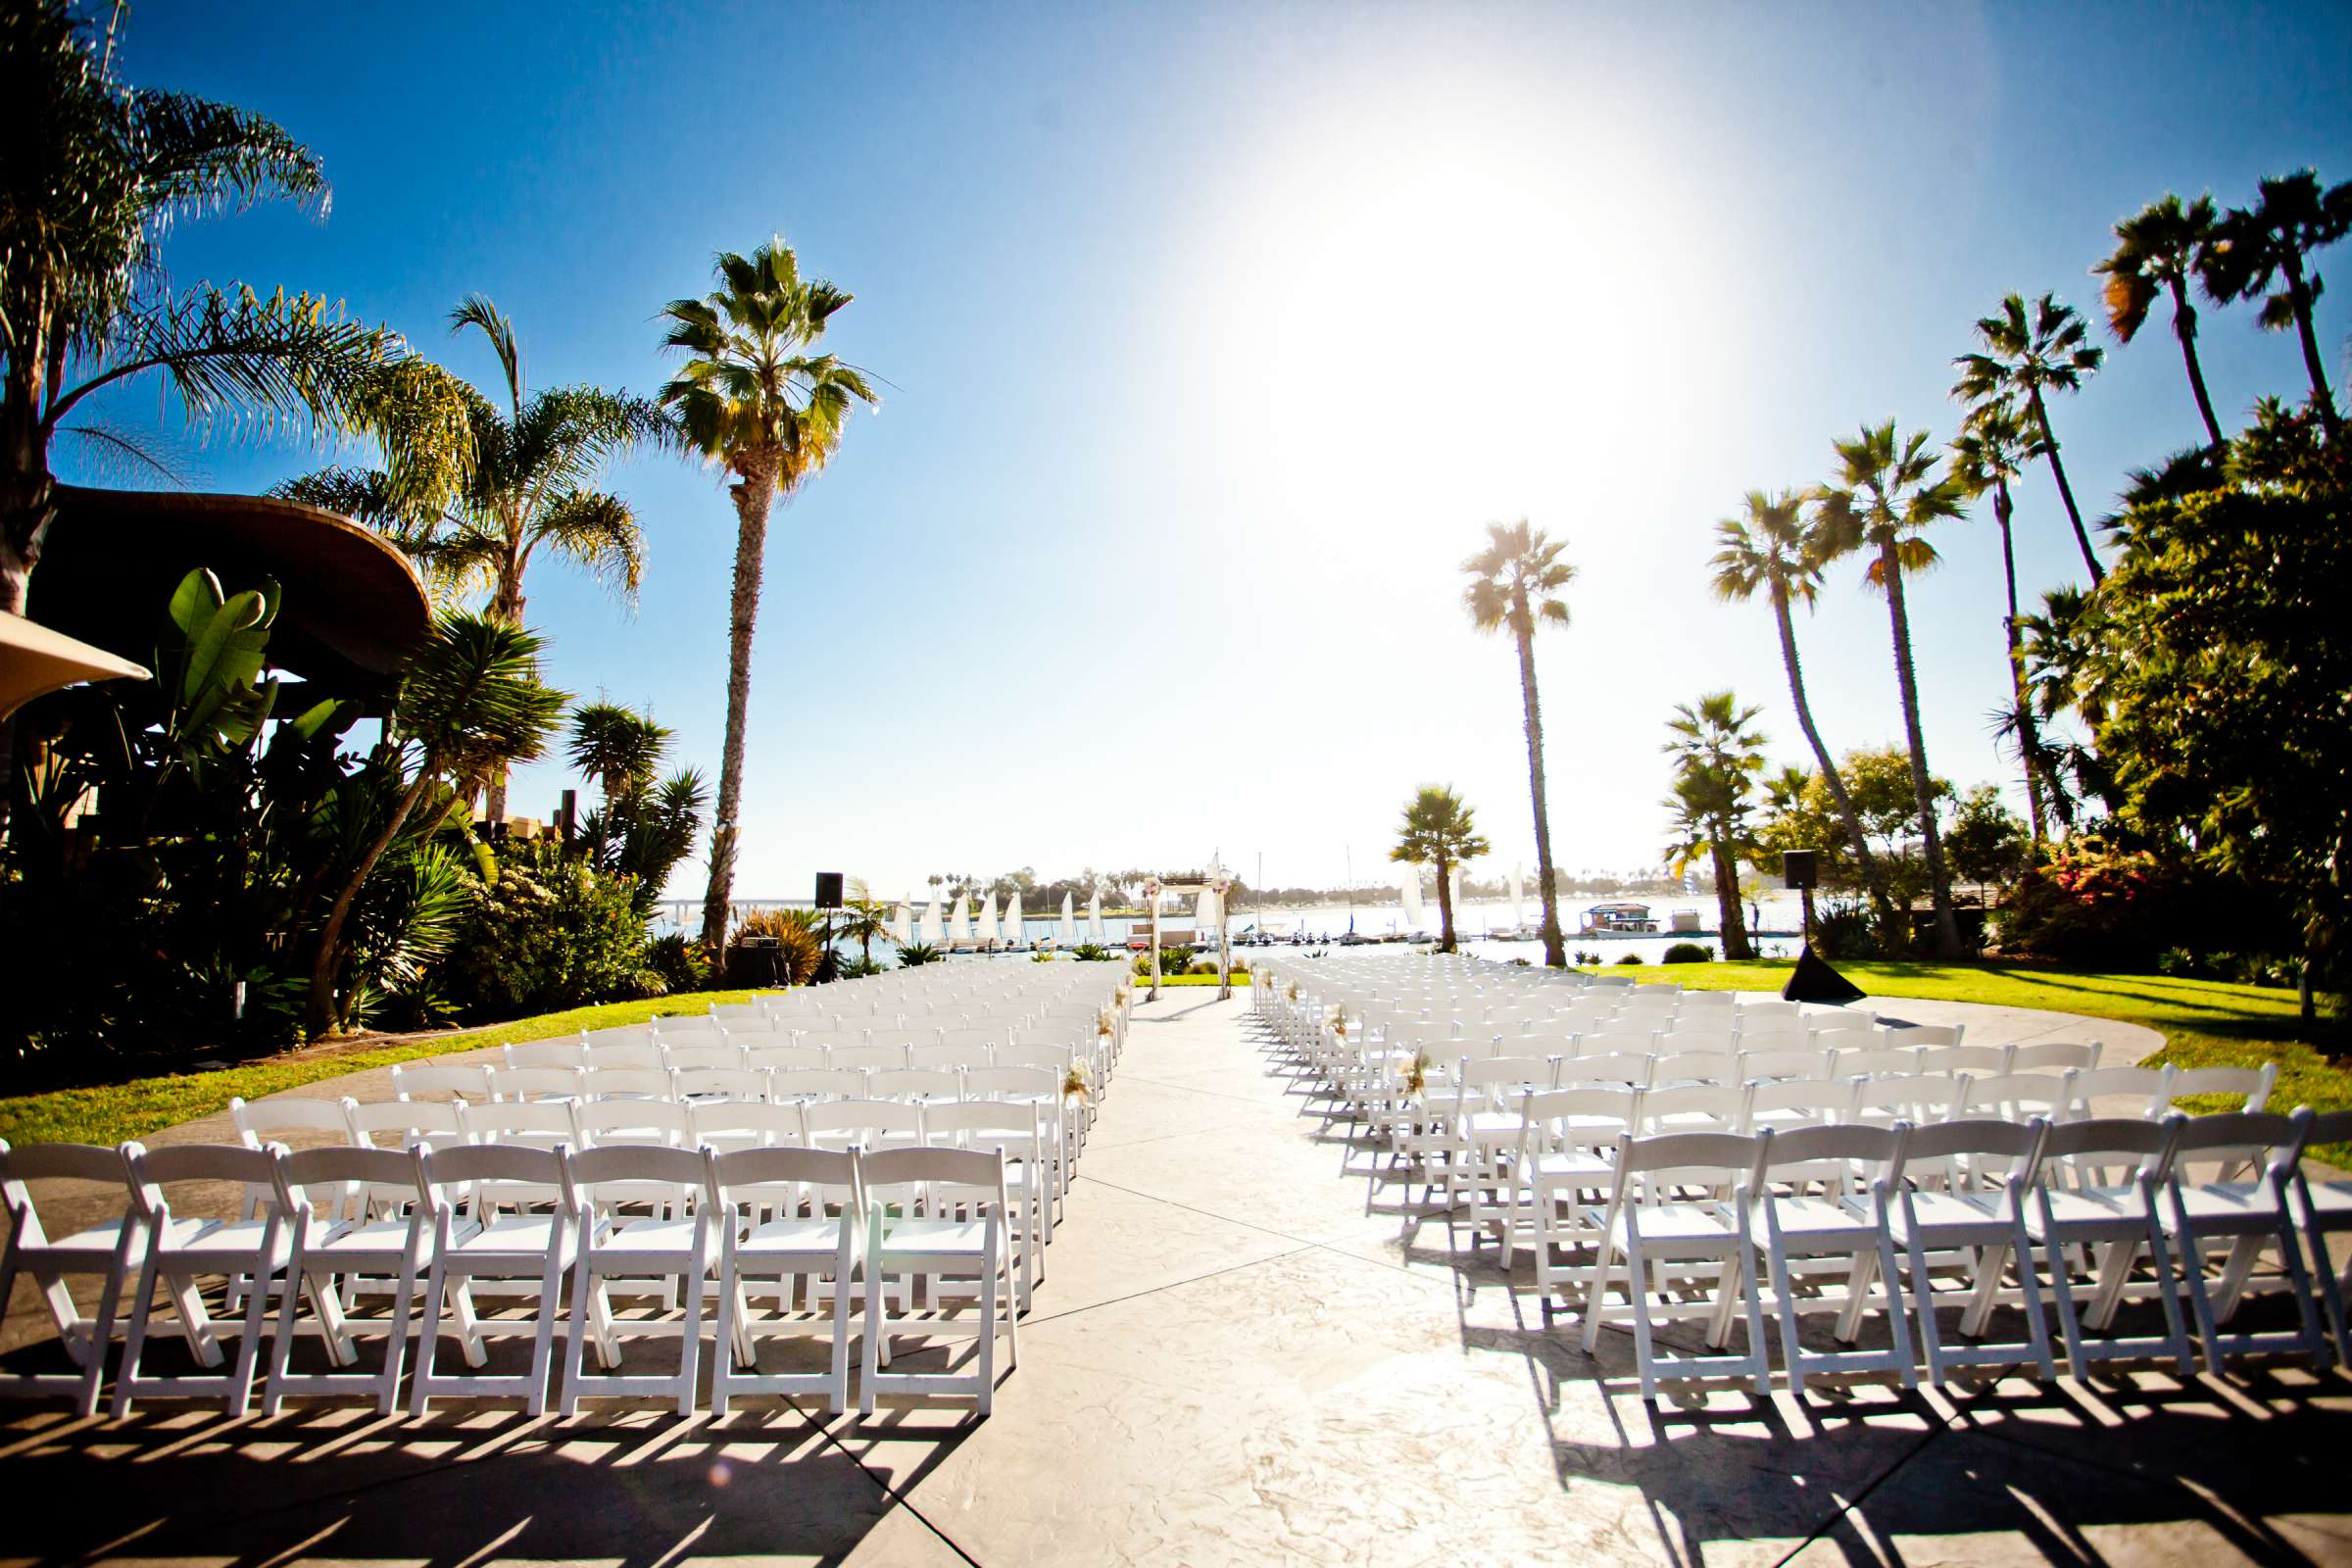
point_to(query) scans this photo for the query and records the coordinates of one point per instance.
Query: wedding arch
(1216, 886)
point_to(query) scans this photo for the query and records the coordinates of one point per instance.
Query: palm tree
(1516, 582)
(2156, 250)
(2026, 359)
(1718, 754)
(863, 917)
(469, 699)
(2273, 240)
(1986, 458)
(1886, 495)
(1770, 546)
(752, 400)
(530, 485)
(1440, 830)
(619, 750)
(97, 171)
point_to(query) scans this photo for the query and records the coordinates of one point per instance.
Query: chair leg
(839, 1393)
(575, 1340)
(281, 1344)
(2063, 1287)
(1923, 1296)
(2175, 1332)
(135, 1339)
(102, 1327)
(877, 1328)
(2200, 1300)
(396, 1338)
(428, 1337)
(543, 1342)
(195, 1324)
(248, 1341)
(1637, 1286)
(1898, 1322)
(690, 1351)
(1792, 1356)
(988, 1331)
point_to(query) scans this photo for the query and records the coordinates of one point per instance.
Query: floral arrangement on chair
(1338, 1021)
(1293, 993)
(1076, 1084)
(1414, 1079)
(1103, 1025)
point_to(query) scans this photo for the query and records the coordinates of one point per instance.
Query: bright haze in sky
(1209, 337)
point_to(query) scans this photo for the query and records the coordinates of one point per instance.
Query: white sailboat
(1069, 920)
(1094, 916)
(1458, 910)
(1015, 936)
(901, 922)
(960, 931)
(1518, 917)
(935, 921)
(983, 935)
(1410, 893)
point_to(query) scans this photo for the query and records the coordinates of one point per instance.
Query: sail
(984, 934)
(960, 932)
(1013, 920)
(1409, 891)
(1094, 916)
(935, 921)
(1518, 919)
(902, 923)
(1456, 885)
(1069, 919)
(1205, 912)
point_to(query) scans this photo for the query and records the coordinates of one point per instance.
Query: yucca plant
(915, 954)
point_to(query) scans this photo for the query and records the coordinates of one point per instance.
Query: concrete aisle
(1245, 1352)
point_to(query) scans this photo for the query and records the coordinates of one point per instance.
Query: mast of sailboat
(1349, 852)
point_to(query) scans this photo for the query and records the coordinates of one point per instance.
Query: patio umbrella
(36, 660)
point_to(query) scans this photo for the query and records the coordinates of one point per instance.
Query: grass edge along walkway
(108, 1114)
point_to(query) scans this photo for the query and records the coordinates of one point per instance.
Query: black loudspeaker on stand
(1812, 980)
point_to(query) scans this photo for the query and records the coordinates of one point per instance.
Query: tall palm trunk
(1555, 950)
(1872, 878)
(1939, 886)
(26, 509)
(2028, 743)
(2185, 327)
(1444, 907)
(2300, 299)
(319, 1011)
(505, 606)
(2066, 492)
(1732, 917)
(754, 492)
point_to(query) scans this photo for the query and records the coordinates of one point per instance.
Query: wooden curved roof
(353, 607)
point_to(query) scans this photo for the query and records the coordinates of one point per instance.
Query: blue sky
(1210, 337)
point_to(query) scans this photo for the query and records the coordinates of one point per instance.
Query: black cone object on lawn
(1813, 980)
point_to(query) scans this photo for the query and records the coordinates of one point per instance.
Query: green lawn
(112, 1112)
(2205, 1023)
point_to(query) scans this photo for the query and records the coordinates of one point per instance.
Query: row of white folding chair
(933, 1211)
(1667, 1217)
(759, 1079)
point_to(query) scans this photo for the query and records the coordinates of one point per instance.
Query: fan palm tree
(1516, 582)
(531, 486)
(1439, 829)
(1718, 754)
(96, 171)
(469, 699)
(1885, 495)
(2157, 251)
(1987, 458)
(753, 401)
(2027, 358)
(1770, 547)
(619, 750)
(2273, 242)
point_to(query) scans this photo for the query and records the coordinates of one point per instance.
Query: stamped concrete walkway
(1248, 1350)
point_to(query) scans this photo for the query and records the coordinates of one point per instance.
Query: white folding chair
(105, 1251)
(727, 1125)
(1562, 1171)
(534, 1083)
(1803, 1193)
(2249, 1215)
(1805, 1062)
(2120, 1221)
(2251, 1085)
(694, 1085)
(2054, 1055)
(1938, 1037)
(1978, 1061)
(1976, 1226)
(435, 1080)
(626, 1083)
(558, 1053)
(254, 1249)
(482, 1245)
(700, 1052)
(1669, 1219)
(941, 1215)
(620, 1251)
(329, 1252)
(787, 1215)
(2324, 1204)
(923, 1086)
(866, 1124)
(783, 1056)
(807, 1085)
(1017, 1136)
(871, 1058)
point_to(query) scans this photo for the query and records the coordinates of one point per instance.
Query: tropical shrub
(2093, 904)
(1844, 929)
(1041, 957)
(549, 932)
(799, 942)
(680, 964)
(1631, 958)
(914, 954)
(1686, 953)
(1092, 952)
(857, 967)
